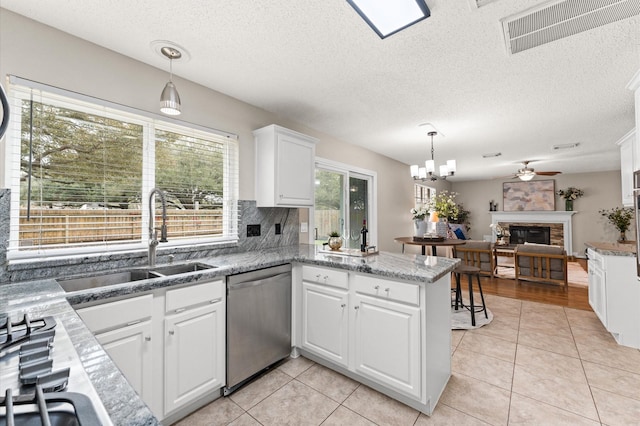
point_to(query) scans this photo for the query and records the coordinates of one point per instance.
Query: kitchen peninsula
(385, 283)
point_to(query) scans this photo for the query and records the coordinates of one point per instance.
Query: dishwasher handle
(259, 282)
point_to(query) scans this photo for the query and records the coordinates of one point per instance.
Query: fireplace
(529, 234)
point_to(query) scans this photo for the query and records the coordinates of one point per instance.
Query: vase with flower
(570, 195)
(620, 217)
(420, 224)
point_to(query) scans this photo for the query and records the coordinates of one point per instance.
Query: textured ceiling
(318, 63)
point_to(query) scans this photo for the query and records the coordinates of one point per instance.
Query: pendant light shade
(170, 99)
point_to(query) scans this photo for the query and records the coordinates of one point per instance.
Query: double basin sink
(113, 278)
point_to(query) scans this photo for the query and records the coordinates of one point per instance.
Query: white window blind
(81, 170)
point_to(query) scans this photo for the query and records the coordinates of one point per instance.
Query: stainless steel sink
(77, 284)
(181, 269)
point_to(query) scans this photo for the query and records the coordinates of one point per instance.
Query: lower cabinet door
(387, 343)
(194, 354)
(325, 315)
(130, 348)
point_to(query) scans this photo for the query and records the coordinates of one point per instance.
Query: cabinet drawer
(326, 276)
(596, 261)
(116, 314)
(185, 297)
(390, 290)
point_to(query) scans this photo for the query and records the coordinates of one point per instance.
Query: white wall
(602, 191)
(34, 51)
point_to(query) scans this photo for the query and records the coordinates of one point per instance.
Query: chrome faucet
(153, 231)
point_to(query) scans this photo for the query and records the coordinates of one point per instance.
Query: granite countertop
(46, 297)
(613, 249)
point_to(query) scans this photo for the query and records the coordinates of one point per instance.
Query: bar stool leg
(484, 307)
(471, 306)
(458, 293)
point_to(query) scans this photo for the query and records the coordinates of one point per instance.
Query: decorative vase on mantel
(420, 227)
(568, 205)
(623, 237)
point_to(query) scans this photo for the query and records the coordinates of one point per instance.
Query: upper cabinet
(285, 163)
(634, 86)
(628, 151)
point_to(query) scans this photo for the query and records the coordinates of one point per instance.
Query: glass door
(358, 207)
(329, 205)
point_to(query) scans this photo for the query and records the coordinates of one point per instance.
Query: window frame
(20, 89)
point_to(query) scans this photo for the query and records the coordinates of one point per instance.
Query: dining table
(424, 243)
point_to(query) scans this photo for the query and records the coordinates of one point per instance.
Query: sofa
(541, 263)
(478, 254)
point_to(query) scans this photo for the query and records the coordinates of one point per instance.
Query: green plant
(444, 204)
(334, 234)
(570, 193)
(620, 217)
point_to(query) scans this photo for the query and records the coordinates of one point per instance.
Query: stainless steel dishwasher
(258, 322)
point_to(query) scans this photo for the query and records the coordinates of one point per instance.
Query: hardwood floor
(575, 297)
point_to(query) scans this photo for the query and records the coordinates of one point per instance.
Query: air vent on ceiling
(562, 18)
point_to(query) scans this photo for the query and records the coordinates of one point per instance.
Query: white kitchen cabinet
(325, 321)
(125, 331)
(284, 167)
(387, 343)
(394, 336)
(194, 343)
(614, 295)
(130, 348)
(627, 146)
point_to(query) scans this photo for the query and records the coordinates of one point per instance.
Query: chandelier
(428, 171)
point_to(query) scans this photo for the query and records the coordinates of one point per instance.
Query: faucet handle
(163, 234)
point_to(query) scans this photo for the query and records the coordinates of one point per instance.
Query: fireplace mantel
(562, 217)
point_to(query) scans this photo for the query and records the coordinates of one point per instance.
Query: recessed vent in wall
(562, 18)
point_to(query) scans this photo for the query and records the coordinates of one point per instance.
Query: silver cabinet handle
(318, 276)
(377, 287)
(171, 332)
(326, 277)
(356, 307)
(147, 338)
(343, 305)
(387, 289)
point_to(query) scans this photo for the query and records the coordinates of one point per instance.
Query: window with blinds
(81, 171)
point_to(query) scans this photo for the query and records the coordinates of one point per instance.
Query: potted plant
(620, 217)
(570, 194)
(419, 216)
(335, 241)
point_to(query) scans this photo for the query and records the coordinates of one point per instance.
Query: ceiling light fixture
(388, 17)
(170, 99)
(427, 172)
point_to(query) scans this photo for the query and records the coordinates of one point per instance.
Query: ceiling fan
(527, 173)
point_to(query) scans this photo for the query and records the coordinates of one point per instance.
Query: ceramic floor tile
(488, 369)
(444, 415)
(548, 341)
(503, 305)
(222, 411)
(379, 408)
(490, 346)
(294, 404)
(503, 326)
(613, 380)
(296, 366)
(456, 337)
(583, 319)
(479, 399)
(245, 420)
(526, 411)
(615, 409)
(549, 364)
(328, 382)
(252, 393)
(603, 349)
(343, 416)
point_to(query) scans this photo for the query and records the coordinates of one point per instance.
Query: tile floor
(534, 364)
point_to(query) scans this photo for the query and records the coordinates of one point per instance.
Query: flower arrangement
(444, 205)
(620, 217)
(570, 193)
(420, 213)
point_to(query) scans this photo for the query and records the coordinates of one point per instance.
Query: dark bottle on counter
(363, 234)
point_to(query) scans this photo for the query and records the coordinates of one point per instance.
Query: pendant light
(428, 171)
(170, 99)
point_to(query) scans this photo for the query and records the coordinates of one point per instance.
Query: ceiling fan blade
(548, 173)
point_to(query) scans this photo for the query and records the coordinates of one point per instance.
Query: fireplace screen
(529, 196)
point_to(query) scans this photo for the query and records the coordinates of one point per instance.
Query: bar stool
(470, 272)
